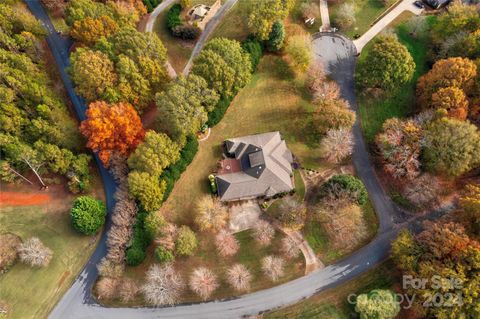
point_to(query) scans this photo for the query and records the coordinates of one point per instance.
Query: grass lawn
(234, 24)
(374, 111)
(178, 50)
(318, 239)
(32, 293)
(366, 11)
(299, 185)
(333, 303)
(273, 100)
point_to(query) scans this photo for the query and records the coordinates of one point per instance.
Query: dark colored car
(437, 4)
(419, 4)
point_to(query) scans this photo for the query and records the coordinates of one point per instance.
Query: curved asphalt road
(78, 302)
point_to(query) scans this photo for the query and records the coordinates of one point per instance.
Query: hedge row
(151, 4)
(173, 17)
(172, 173)
(136, 253)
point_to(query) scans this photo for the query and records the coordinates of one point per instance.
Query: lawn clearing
(366, 11)
(272, 101)
(333, 303)
(32, 293)
(234, 23)
(374, 111)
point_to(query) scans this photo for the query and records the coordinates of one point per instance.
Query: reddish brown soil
(22, 199)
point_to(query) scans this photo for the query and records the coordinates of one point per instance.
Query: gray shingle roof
(266, 167)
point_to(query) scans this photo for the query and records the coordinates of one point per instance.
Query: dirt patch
(22, 199)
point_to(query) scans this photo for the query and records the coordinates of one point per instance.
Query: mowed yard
(272, 101)
(33, 292)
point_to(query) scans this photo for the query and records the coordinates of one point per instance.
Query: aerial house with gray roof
(254, 166)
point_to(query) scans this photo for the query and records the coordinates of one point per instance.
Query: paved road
(60, 47)
(325, 15)
(405, 5)
(211, 25)
(149, 28)
(78, 303)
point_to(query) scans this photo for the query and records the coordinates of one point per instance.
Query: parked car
(419, 4)
(437, 4)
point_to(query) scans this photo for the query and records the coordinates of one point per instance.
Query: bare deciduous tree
(8, 250)
(423, 190)
(118, 168)
(203, 282)
(108, 268)
(337, 145)
(128, 290)
(290, 247)
(211, 214)
(168, 237)
(239, 277)
(163, 285)
(226, 243)
(34, 253)
(273, 267)
(107, 288)
(326, 91)
(315, 76)
(344, 226)
(346, 15)
(263, 233)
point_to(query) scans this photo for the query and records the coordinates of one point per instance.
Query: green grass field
(332, 303)
(374, 111)
(366, 11)
(234, 24)
(32, 293)
(272, 101)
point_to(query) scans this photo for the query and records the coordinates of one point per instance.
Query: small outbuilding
(201, 14)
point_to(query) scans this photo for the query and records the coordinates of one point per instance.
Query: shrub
(135, 254)
(34, 253)
(163, 255)
(186, 32)
(349, 183)
(213, 184)
(154, 222)
(172, 173)
(128, 290)
(173, 17)
(276, 37)
(87, 214)
(186, 242)
(378, 304)
(8, 250)
(107, 288)
(255, 50)
(218, 112)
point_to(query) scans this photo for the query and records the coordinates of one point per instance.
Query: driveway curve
(78, 302)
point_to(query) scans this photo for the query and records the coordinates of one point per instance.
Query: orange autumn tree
(112, 128)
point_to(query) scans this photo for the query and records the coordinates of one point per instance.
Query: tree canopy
(263, 14)
(112, 128)
(184, 106)
(224, 65)
(387, 65)
(154, 154)
(452, 146)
